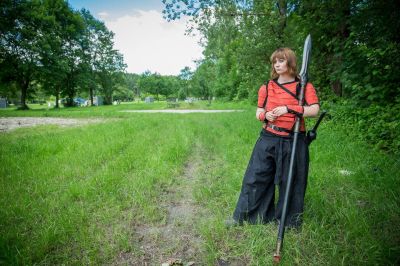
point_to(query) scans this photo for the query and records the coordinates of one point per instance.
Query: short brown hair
(284, 53)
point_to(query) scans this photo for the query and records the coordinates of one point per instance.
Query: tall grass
(74, 195)
(70, 195)
(114, 110)
(352, 201)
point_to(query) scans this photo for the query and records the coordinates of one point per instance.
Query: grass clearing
(76, 195)
(114, 110)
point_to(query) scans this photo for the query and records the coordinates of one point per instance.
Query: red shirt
(276, 96)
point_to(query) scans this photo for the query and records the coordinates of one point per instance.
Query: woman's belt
(280, 129)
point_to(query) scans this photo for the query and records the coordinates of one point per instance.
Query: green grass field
(78, 195)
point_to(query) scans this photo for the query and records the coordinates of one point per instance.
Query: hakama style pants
(269, 166)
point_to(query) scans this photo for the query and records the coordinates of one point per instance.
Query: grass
(74, 195)
(37, 110)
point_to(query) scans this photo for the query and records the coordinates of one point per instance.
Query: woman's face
(281, 66)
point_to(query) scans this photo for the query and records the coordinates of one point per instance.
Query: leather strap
(288, 91)
(280, 129)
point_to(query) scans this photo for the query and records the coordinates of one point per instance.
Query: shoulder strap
(266, 94)
(285, 89)
(288, 91)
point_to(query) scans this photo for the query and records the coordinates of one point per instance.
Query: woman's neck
(284, 78)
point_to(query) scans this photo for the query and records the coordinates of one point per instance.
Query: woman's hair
(284, 53)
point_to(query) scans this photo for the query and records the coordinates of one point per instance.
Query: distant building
(149, 100)
(97, 100)
(3, 103)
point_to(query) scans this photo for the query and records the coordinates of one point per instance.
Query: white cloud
(148, 42)
(103, 14)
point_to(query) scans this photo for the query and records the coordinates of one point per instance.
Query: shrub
(378, 125)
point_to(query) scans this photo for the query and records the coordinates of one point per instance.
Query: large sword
(303, 82)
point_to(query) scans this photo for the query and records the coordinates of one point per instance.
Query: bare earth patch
(174, 241)
(11, 123)
(181, 111)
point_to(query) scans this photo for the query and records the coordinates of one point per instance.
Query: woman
(269, 163)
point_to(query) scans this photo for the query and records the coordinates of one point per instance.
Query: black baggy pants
(269, 166)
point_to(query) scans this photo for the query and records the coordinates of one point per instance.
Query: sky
(146, 40)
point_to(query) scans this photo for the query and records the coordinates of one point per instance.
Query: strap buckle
(280, 129)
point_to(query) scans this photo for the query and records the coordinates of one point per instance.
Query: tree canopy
(352, 42)
(46, 43)
(355, 55)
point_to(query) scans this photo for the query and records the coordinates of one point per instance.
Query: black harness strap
(288, 91)
(266, 95)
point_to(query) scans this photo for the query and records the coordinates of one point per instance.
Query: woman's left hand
(280, 110)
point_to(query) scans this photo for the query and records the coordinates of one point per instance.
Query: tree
(372, 53)
(185, 76)
(46, 41)
(20, 40)
(328, 23)
(108, 64)
(150, 83)
(91, 44)
(61, 54)
(203, 80)
(132, 84)
(239, 37)
(351, 40)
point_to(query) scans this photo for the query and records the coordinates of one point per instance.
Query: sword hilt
(312, 134)
(319, 120)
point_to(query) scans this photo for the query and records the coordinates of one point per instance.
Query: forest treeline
(355, 50)
(47, 48)
(49, 51)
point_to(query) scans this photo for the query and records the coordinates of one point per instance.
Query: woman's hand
(261, 115)
(270, 116)
(280, 110)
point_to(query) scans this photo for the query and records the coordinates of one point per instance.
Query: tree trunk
(343, 33)
(337, 87)
(282, 6)
(24, 91)
(57, 99)
(70, 99)
(107, 99)
(91, 96)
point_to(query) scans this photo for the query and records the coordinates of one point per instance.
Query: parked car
(80, 101)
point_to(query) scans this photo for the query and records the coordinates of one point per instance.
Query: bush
(378, 125)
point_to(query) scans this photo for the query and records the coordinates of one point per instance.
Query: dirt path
(176, 242)
(181, 111)
(11, 123)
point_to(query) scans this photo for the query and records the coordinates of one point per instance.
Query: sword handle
(319, 121)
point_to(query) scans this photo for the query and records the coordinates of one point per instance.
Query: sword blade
(306, 60)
